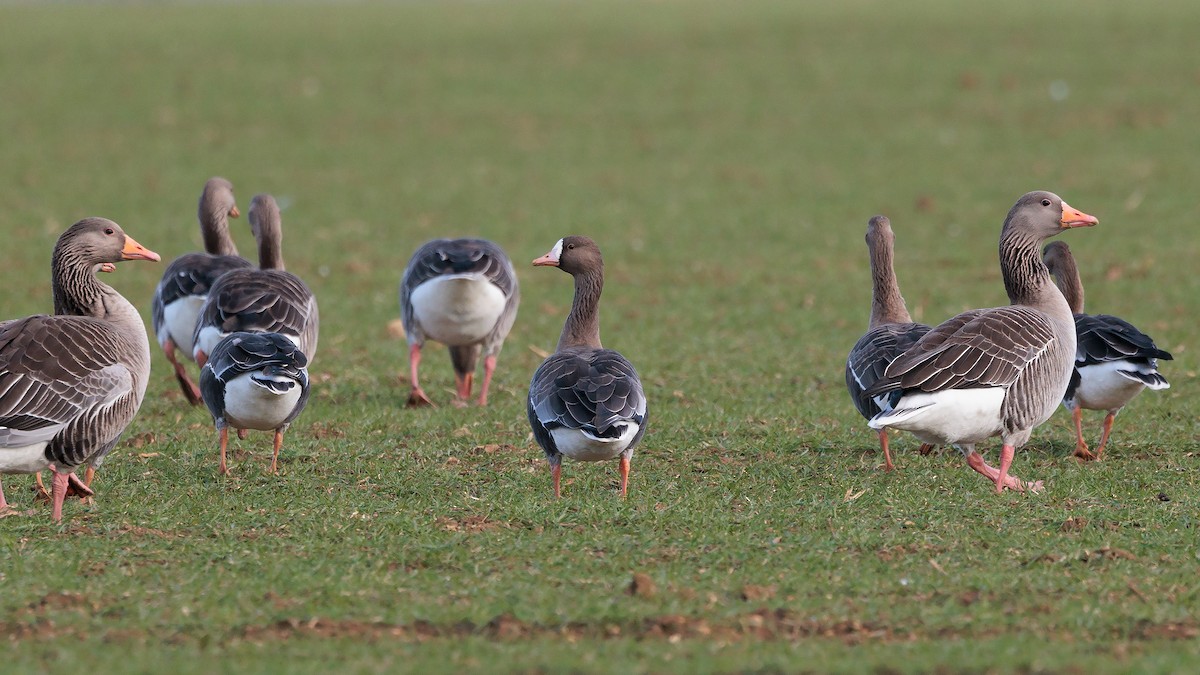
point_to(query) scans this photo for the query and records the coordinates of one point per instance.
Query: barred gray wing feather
(1103, 338)
(262, 301)
(871, 356)
(591, 390)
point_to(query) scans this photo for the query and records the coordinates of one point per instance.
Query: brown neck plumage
(1026, 278)
(582, 328)
(214, 228)
(77, 291)
(887, 305)
(1066, 274)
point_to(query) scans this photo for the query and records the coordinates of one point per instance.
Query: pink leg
(224, 434)
(462, 389)
(1006, 459)
(887, 456)
(3, 501)
(489, 367)
(416, 398)
(976, 462)
(278, 445)
(1081, 448)
(201, 358)
(556, 474)
(243, 434)
(58, 493)
(190, 391)
(1108, 422)
(624, 475)
(42, 493)
(925, 449)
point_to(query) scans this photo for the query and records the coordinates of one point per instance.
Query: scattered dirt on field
(642, 586)
(320, 430)
(470, 524)
(1107, 553)
(1073, 524)
(1170, 630)
(755, 593)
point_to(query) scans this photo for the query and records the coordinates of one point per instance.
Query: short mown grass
(726, 156)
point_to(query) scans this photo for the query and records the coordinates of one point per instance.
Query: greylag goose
(993, 372)
(265, 300)
(585, 402)
(890, 332)
(71, 383)
(254, 381)
(186, 281)
(464, 294)
(1114, 361)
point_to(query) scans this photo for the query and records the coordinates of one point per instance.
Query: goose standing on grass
(993, 372)
(187, 280)
(1114, 361)
(71, 383)
(585, 402)
(891, 330)
(265, 300)
(254, 381)
(464, 294)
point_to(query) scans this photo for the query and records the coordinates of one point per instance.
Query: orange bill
(1072, 217)
(135, 251)
(233, 212)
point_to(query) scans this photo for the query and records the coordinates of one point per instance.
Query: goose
(265, 300)
(464, 294)
(1114, 361)
(254, 381)
(187, 280)
(890, 332)
(585, 401)
(993, 372)
(71, 383)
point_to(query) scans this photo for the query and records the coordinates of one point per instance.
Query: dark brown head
(1044, 214)
(574, 255)
(99, 241)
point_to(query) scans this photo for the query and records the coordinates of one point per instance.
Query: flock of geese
(71, 383)
(1000, 371)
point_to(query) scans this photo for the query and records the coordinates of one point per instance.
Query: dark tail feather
(1152, 380)
(464, 358)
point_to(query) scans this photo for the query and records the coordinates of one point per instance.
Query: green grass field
(726, 156)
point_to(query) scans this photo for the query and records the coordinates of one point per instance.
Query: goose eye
(570, 246)
(1045, 202)
(108, 230)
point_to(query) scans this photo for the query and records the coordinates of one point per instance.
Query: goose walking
(71, 383)
(187, 280)
(1114, 361)
(254, 381)
(265, 300)
(993, 372)
(464, 294)
(890, 332)
(585, 402)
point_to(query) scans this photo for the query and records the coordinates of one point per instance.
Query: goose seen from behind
(993, 372)
(265, 300)
(585, 402)
(462, 293)
(186, 281)
(1114, 361)
(890, 332)
(254, 381)
(71, 383)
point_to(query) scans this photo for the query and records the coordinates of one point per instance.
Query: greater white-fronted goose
(585, 402)
(464, 294)
(890, 332)
(187, 280)
(254, 381)
(993, 372)
(1114, 361)
(71, 383)
(265, 300)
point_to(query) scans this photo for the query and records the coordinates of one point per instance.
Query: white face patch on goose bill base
(555, 253)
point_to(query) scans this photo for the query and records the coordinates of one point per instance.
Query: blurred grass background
(726, 156)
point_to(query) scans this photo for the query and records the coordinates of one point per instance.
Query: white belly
(457, 310)
(1101, 387)
(24, 459)
(250, 406)
(946, 417)
(180, 318)
(583, 447)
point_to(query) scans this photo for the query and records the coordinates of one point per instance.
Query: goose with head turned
(1114, 361)
(993, 372)
(464, 294)
(265, 300)
(585, 402)
(254, 381)
(71, 383)
(186, 281)
(890, 332)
